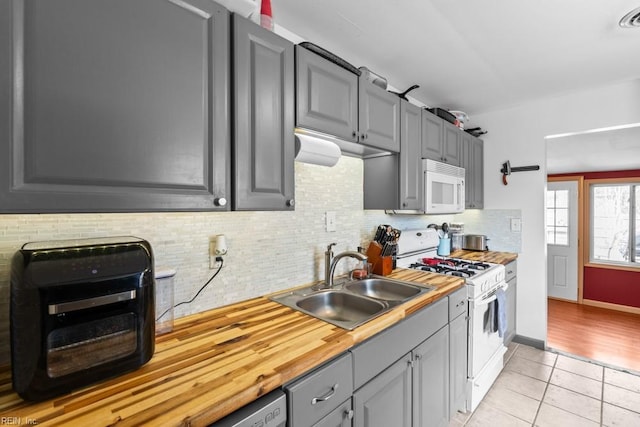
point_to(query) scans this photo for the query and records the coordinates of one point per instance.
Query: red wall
(603, 284)
(612, 286)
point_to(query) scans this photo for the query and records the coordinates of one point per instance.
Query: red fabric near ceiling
(612, 286)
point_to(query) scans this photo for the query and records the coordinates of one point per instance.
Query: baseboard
(610, 306)
(563, 299)
(531, 342)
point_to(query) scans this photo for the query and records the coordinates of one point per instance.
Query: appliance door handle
(492, 298)
(65, 307)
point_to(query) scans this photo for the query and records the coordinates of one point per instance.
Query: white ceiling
(614, 149)
(475, 55)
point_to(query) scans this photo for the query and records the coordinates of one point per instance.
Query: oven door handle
(493, 297)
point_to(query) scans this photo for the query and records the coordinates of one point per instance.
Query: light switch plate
(330, 218)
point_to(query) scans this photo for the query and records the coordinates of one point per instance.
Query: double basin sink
(352, 303)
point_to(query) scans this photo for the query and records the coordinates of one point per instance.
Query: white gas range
(485, 290)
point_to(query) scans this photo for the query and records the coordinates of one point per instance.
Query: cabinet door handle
(325, 397)
(291, 202)
(220, 201)
(354, 134)
(348, 414)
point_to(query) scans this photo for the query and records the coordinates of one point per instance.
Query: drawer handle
(460, 304)
(326, 397)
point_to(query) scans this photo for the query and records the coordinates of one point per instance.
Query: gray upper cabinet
(411, 180)
(473, 163)
(263, 122)
(114, 106)
(327, 96)
(440, 139)
(379, 117)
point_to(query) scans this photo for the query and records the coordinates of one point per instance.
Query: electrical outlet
(217, 248)
(330, 221)
(516, 225)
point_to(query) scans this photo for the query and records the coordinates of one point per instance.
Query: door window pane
(558, 217)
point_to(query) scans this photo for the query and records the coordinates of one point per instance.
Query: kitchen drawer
(339, 417)
(317, 394)
(457, 303)
(511, 270)
(382, 350)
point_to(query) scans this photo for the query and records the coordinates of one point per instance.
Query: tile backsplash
(268, 251)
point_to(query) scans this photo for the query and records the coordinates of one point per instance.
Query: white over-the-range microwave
(443, 189)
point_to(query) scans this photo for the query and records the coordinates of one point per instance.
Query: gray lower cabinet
(386, 400)
(440, 139)
(378, 117)
(431, 381)
(458, 333)
(342, 416)
(511, 278)
(326, 96)
(411, 374)
(114, 106)
(473, 163)
(319, 393)
(263, 118)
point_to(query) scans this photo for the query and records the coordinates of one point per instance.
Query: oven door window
(85, 345)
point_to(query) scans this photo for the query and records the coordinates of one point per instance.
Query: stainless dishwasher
(268, 411)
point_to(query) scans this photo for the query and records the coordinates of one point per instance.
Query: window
(558, 217)
(615, 223)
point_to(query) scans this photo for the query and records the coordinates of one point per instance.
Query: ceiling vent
(631, 19)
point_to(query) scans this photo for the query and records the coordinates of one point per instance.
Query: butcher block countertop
(486, 256)
(213, 363)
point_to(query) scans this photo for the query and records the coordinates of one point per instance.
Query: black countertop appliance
(80, 311)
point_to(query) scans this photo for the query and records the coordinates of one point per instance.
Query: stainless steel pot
(475, 242)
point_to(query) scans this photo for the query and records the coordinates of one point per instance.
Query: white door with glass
(562, 240)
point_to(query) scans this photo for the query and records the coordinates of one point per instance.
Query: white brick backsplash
(268, 251)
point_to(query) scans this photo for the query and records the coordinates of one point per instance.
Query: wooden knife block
(382, 265)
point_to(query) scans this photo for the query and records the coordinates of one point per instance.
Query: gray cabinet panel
(381, 182)
(432, 128)
(389, 345)
(342, 416)
(451, 144)
(386, 400)
(458, 364)
(264, 146)
(379, 117)
(317, 394)
(440, 140)
(411, 179)
(458, 303)
(512, 296)
(326, 96)
(431, 381)
(473, 163)
(113, 106)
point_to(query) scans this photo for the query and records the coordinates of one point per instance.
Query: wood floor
(608, 336)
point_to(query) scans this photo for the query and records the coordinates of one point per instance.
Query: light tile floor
(541, 388)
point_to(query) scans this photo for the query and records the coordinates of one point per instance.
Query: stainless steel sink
(340, 306)
(352, 303)
(384, 289)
